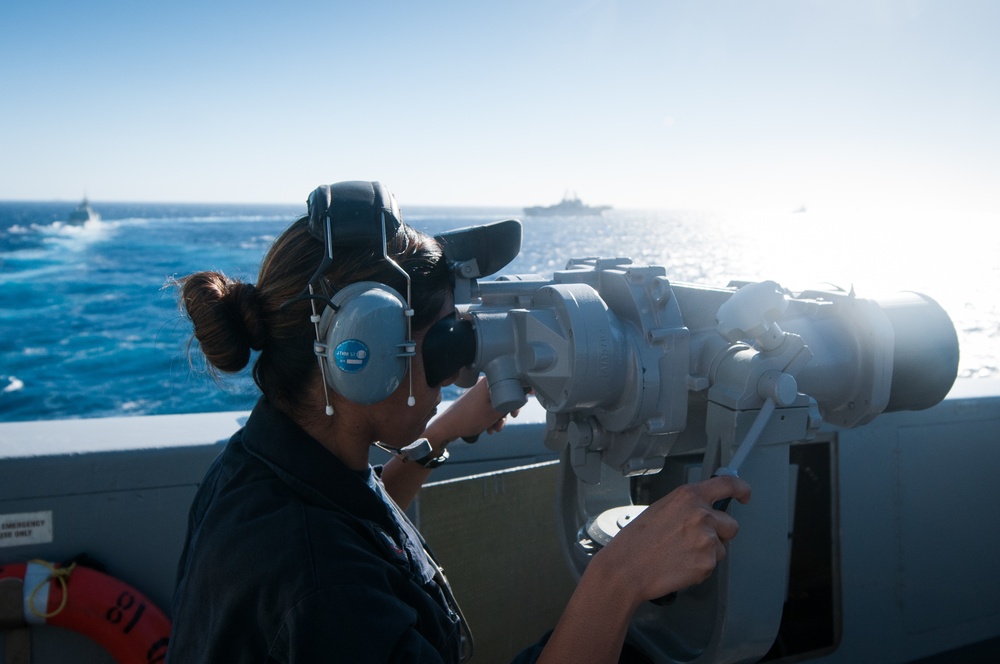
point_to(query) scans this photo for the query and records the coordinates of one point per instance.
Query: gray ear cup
(362, 343)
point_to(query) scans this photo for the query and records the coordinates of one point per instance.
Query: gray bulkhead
(910, 549)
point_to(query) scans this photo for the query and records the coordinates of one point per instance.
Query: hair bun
(227, 318)
(246, 308)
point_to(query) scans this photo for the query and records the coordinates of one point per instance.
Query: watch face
(433, 462)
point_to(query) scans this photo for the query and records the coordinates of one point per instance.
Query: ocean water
(90, 327)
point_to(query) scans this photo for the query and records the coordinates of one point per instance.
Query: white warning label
(25, 528)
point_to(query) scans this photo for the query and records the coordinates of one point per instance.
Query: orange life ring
(112, 613)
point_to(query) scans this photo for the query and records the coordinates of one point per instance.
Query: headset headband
(351, 214)
(356, 214)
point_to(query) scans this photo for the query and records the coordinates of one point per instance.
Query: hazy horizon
(646, 104)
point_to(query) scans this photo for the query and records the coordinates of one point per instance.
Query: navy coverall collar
(310, 469)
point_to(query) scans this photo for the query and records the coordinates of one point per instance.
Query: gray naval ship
(569, 206)
(83, 213)
(871, 535)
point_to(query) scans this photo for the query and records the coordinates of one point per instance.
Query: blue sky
(696, 103)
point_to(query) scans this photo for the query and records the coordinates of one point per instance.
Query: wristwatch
(432, 461)
(429, 460)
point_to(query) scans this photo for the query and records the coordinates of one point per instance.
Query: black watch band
(432, 461)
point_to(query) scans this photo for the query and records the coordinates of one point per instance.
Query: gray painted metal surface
(915, 536)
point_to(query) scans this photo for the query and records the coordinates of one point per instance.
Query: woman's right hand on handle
(677, 541)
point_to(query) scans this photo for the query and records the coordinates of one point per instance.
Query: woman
(297, 550)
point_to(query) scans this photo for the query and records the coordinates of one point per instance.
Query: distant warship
(570, 206)
(83, 213)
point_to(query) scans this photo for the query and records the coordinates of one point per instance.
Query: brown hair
(231, 318)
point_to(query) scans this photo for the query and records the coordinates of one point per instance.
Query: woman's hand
(677, 541)
(470, 415)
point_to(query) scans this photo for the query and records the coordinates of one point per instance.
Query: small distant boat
(83, 213)
(570, 206)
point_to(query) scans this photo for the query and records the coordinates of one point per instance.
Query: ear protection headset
(364, 336)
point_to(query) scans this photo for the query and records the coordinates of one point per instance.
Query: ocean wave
(16, 274)
(258, 242)
(14, 384)
(66, 228)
